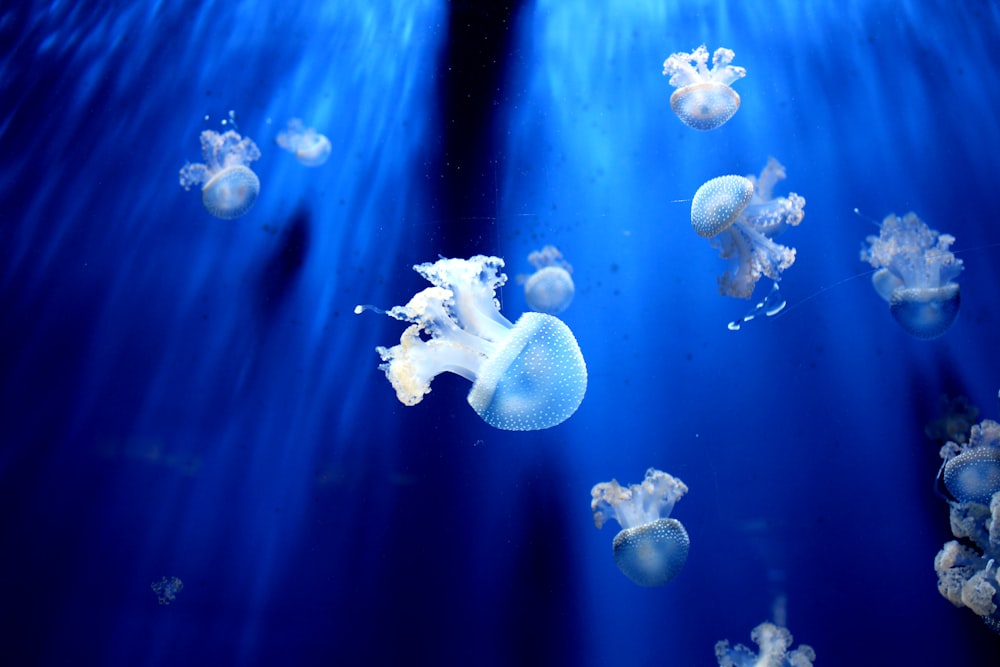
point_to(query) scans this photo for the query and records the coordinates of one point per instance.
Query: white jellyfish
(773, 642)
(741, 217)
(230, 187)
(651, 548)
(916, 273)
(525, 376)
(550, 288)
(309, 146)
(968, 574)
(704, 99)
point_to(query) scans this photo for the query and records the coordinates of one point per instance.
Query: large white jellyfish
(773, 642)
(309, 146)
(916, 273)
(703, 99)
(741, 217)
(230, 187)
(525, 376)
(550, 288)
(651, 548)
(968, 574)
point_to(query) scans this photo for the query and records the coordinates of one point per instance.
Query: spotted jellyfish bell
(230, 187)
(971, 471)
(718, 203)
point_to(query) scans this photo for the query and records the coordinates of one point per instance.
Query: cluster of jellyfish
(968, 567)
(229, 187)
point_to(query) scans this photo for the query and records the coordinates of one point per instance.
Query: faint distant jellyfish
(651, 548)
(167, 589)
(230, 187)
(916, 273)
(703, 99)
(741, 218)
(550, 289)
(310, 147)
(525, 376)
(773, 642)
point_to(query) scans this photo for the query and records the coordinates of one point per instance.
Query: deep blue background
(186, 396)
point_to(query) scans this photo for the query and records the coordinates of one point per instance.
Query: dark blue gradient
(194, 397)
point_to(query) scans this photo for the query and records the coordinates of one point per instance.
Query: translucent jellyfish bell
(550, 289)
(525, 376)
(971, 470)
(703, 99)
(651, 548)
(230, 187)
(741, 217)
(309, 146)
(915, 275)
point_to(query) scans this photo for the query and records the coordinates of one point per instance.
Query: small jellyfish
(773, 642)
(651, 548)
(230, 187)
(741, 217)
(525, 376)
(550, 288)
(310, 147)
(703, 99)
(915, 274)
(167, 589)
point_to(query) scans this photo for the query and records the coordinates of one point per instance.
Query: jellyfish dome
(308, 146)
(915, 275)
(550, 289)
(773, 642)
(968, 573)
(703, 99)
(230, 187)
(526, 376)
(741, 217)
(651, 548)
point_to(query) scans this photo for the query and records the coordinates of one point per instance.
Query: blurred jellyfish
(703, 99)
(310, 147)
(955, 422)
(167, 589)
(230, 187)
(741, 218)
(525, 376)
(773, 642)
(651, 548)
(968, 573)
(550, 288)
(915, 274)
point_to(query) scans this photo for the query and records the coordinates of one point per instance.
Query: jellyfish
(741, 217)
(310, 147)
(526, 376)
(915, 274)
(550, 288)
(703, 99)
(167, 589)
(968, 573)
(773, 642)
(651, 548)
(230, 187)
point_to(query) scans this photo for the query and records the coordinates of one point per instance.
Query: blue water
(193, 397)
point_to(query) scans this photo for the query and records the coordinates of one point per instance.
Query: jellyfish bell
(231, 192)
(705, 106)
(973, 476)
(718, 203)
(925, 312)
(309, 146)
(652, 554)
